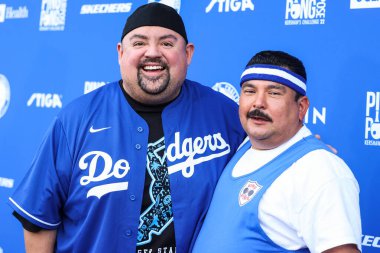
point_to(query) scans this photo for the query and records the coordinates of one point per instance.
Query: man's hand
(331, 147)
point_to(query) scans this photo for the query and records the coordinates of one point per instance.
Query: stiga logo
(227, 89)
(12, 13)
(105, 8)
(372, 123)
(305, 12)
(45, 100)
(364, 4)
(5, 95)
(53, 15)
(230, 5)
(175, 4)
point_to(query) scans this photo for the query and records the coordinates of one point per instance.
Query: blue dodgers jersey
(87, 178)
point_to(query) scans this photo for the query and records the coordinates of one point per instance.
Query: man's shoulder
(92, 101)
(86, 100)
(207, 94)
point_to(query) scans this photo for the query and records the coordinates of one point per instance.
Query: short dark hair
(282, 59)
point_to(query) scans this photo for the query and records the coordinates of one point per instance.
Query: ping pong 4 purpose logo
(372, 122)
(305, 12)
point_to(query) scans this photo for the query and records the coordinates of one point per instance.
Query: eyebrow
(277, 87)
(144, 37)
(271, 86)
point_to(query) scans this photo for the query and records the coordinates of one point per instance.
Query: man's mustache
(257, 113)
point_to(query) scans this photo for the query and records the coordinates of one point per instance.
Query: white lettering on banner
(21, 12)
(364, 4)
(371, 241)
(372, 122)
(105, 8)
(307, 12)
(118, 170)
(90, 86)
(47, 100)
(233, 5)
(6, 182)
(2, 12)
(320, 115)
(13, 13)
(53, 15)
(190, 148)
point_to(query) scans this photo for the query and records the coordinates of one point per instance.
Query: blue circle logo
(227, 89)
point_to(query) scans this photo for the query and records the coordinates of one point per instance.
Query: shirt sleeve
(41, 194)
(330, 216)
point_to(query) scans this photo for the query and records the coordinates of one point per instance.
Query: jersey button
(128, 232)
(138, 146)
(132, 197)
(140, 129)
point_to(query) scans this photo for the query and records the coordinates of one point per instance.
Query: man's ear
(189, 52)
(303, 105)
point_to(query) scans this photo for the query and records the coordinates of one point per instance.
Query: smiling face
(153, 63)
(269, 113)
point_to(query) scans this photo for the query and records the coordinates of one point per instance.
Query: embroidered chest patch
(248, 191)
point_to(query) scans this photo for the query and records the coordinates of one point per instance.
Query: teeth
(153, 67)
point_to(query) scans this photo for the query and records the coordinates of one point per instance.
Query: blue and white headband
(276, 74)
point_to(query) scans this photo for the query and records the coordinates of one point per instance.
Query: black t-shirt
(156, 228)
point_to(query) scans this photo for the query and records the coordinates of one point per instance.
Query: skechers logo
(95, 130)
(105, 8)
(45, 100)
(233, 5)
(118, 170)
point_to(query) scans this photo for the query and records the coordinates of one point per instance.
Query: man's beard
(160, 82)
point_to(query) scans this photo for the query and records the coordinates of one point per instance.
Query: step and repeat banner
(52, 51)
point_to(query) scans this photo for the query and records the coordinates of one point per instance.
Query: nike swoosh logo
(95, 130)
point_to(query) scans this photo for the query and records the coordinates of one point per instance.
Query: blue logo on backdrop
(176, 4)
(5, 95)
(105, 8)
(305, 12)
(227, 89)
(230, 5)
(9, 12)
(372, 123)
(364, 4)
(53, 15)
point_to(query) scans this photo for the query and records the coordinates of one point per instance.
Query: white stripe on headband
(275, 74)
